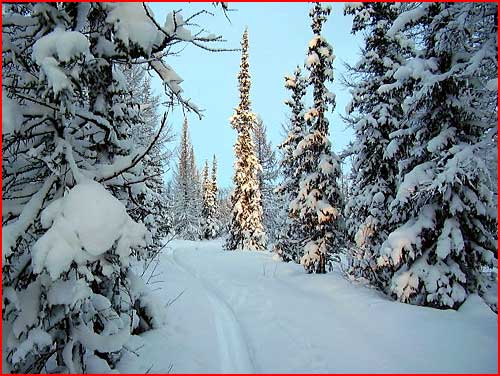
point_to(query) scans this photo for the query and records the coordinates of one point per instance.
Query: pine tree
(187, 195)
(288, 245)
(374, 115)
(267, 178)
(446, 224)
(246, 230)
(318, 205)
(69, 163)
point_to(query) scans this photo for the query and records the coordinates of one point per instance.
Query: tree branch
(138, 158)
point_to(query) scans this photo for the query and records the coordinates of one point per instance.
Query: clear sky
(278, 38)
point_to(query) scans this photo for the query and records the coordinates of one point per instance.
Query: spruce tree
(154, 209)
(446, 223)
(224, 210)
(373, 115)
(215, 226)
(206, 193)
(267, 178)
(196, 202)
(246, 230)
(187, 196)
(289, 240)
(210, 227)
(318, 205)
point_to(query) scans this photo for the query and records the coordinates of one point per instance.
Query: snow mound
(85, 224)
(474, 305)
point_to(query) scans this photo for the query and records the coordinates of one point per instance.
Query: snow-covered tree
(210, 228)
(224, 209)
(446, 223)
(69, 163)
(215, 193)
(246, 230)
(197, 190)
(267, 179)
(373, 115)
(207, 198)
(154, 209)
(187, 195)
(289, 239)
(318, 205)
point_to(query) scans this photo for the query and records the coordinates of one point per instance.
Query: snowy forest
(123, 252)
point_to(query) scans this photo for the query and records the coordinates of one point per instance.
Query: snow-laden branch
(13, 231)
(139, 157)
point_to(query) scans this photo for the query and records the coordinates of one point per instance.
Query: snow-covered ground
(244, 312)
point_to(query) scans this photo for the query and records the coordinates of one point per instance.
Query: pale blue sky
(278, 36)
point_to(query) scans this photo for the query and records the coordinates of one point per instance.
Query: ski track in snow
(233, 348)
(245, 312)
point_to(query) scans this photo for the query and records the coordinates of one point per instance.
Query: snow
(378, 198)
(56, 77)
(353, 5)
(326, 166)
(103, 343)
(11, 111)
(61, 45)
(168, 75)
(406, 236)
(248, 312)
(324, 51)
(407, 18)
(314, 41)
(312, 59)
(421, 175)
(290, 82)
(68, 292)
(132, 25)
(310, 114)
(492, 84)
(36, 338)
(13, 231)
(174, 26)
(440, 141)
(27, 302)
(450, 239)
(365, 231)
(85, 224)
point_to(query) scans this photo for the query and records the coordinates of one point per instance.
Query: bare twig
(172, 301)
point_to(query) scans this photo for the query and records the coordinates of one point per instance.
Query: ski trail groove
(233, 349)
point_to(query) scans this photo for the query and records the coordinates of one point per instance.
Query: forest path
(244, 312)
(232, 345)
